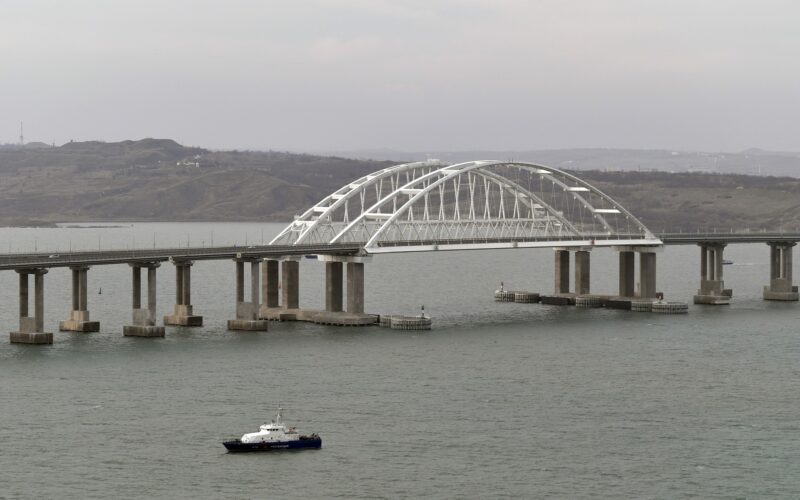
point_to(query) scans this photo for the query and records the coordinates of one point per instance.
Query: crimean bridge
(413, 207)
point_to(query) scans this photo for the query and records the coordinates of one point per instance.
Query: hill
(696, 201)
(161, 180)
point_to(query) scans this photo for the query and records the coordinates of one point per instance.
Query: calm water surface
(498, 401)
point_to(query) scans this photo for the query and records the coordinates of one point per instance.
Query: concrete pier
(79, 315)
(712, 287)
(270, 282)
(561, 271)
(629, 291)
(561, 293)
(183, 314)
(144, 320)
(31, 329)
(247, 312)
(290, 283)
(780, 273)
(627, 276)
(582, 272)
(355, 287)
(335, 312)
(333, 286)
(282, 300)
(354, 314)
(647, 274)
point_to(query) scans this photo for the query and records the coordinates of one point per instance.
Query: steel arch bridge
(431, 205)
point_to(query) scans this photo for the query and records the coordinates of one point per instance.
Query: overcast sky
(712, 75)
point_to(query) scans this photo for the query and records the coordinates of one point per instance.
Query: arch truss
(431, 205)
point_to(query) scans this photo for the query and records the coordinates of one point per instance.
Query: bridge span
(728, 238)
(413, 207)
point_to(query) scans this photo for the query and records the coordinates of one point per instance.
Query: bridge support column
(780, 273)
(712, 289)
(333, 286)
(79, 316)
(627, 277)
(31, 329)
(582, 272)
(628, 288)
(270, 289)
(183, 314)
(144, 320)
(288, 288)
(272, 282)
(290, 283)
(247, 312)
(337, 311)
(647, 274)
(561, 271)
(355, 287)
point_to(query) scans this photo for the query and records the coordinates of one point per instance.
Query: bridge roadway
(72, 259)
(728, 238)
(104, 257)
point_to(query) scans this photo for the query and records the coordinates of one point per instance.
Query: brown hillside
(160, 180)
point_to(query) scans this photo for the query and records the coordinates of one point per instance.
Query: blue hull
(236, 446)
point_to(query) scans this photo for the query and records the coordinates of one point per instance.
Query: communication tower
(21, 135)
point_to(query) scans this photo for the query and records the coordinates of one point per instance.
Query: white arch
(390, 223)
(312, 218)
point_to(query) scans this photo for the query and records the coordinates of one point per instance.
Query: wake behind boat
(273, 436)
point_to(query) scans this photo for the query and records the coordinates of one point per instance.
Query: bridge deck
(94, 258)
(695, 238)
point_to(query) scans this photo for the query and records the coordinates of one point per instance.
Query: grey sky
(416, 75)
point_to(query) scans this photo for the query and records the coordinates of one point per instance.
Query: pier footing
(31, 338)
(561, 299)
(79, 326)
(344, 319)
(713, 300)
(142, 331)
(183, 317)
(396, 322)
(175, 320)
(79, 322)
(622, 303)
(786, 296)
(249, 325)
(334, 318)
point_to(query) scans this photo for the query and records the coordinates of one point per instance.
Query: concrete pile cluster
(397, 322)
(516, 296)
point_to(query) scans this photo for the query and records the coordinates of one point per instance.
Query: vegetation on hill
(161, 180)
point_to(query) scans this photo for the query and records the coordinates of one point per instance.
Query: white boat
(273, 436)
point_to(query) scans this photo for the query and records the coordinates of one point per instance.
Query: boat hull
(236, 446)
